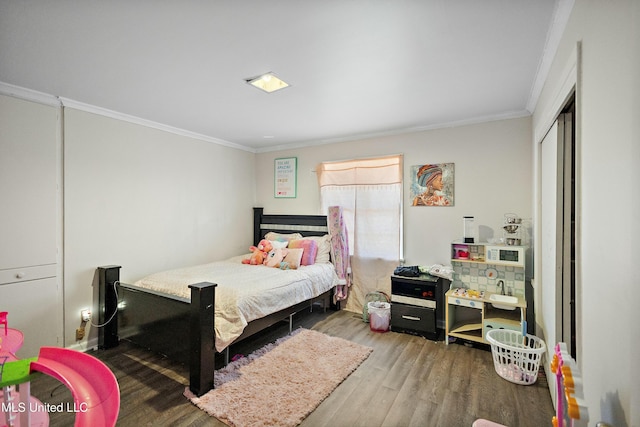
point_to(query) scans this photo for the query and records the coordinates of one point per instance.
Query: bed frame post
(257, 220)
(202, 337)
(108, 276)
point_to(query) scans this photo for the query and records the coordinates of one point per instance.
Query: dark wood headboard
(307, 225)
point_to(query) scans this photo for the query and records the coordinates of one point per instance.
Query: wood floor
(407, 381)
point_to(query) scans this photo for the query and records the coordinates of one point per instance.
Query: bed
(172, 312)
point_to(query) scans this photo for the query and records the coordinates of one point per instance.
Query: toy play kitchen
(488, 287)
(470, 314)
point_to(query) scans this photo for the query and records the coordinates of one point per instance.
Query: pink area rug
(282, 383)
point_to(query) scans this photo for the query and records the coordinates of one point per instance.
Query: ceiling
(356, 68)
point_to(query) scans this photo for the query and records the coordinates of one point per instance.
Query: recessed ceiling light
(267, 82)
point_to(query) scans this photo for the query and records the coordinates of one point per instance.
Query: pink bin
(379, 316)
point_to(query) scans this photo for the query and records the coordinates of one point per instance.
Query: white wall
(147, 200)
(493, 174)
(30, 218)
(634, 377)
(607, 139)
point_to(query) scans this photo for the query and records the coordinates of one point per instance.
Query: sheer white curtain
(370, 194)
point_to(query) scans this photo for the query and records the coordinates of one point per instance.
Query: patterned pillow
(272, 235)
(310, 249)
(324, 248)
(279, 244)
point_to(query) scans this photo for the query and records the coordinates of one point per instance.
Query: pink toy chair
(94, 387)
(3, 320)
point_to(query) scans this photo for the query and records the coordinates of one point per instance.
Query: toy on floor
(15, 379)
(16, 396)
(95, 390)
(571, 409)
(3, 360)
(3, 320)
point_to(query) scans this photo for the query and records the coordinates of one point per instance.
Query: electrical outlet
(85, 315)
(79, 334)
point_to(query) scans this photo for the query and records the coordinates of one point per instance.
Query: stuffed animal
(275, 258)
(259, 253)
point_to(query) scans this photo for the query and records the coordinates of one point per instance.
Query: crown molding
(70, 103)
(55, 101)
(358, 137)
(28, 94)
(559, 20)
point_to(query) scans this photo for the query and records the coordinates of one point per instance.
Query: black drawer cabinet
(417, 305)
(406, 317)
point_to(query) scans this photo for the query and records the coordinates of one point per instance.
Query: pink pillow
(310, 249)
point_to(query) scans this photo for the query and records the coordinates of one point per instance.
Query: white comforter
(245, 292)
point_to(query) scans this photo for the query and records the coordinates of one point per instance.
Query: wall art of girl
(432, 185)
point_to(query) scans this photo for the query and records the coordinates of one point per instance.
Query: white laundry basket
(516, 358)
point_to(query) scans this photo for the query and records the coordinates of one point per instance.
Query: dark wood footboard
(108, 278)
(161, 324)
(202, 338)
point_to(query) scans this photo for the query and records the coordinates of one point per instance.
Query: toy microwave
(505, 255)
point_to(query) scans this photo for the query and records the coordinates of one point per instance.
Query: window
(370, 194)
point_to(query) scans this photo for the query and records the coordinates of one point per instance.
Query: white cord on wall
(115, 291)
